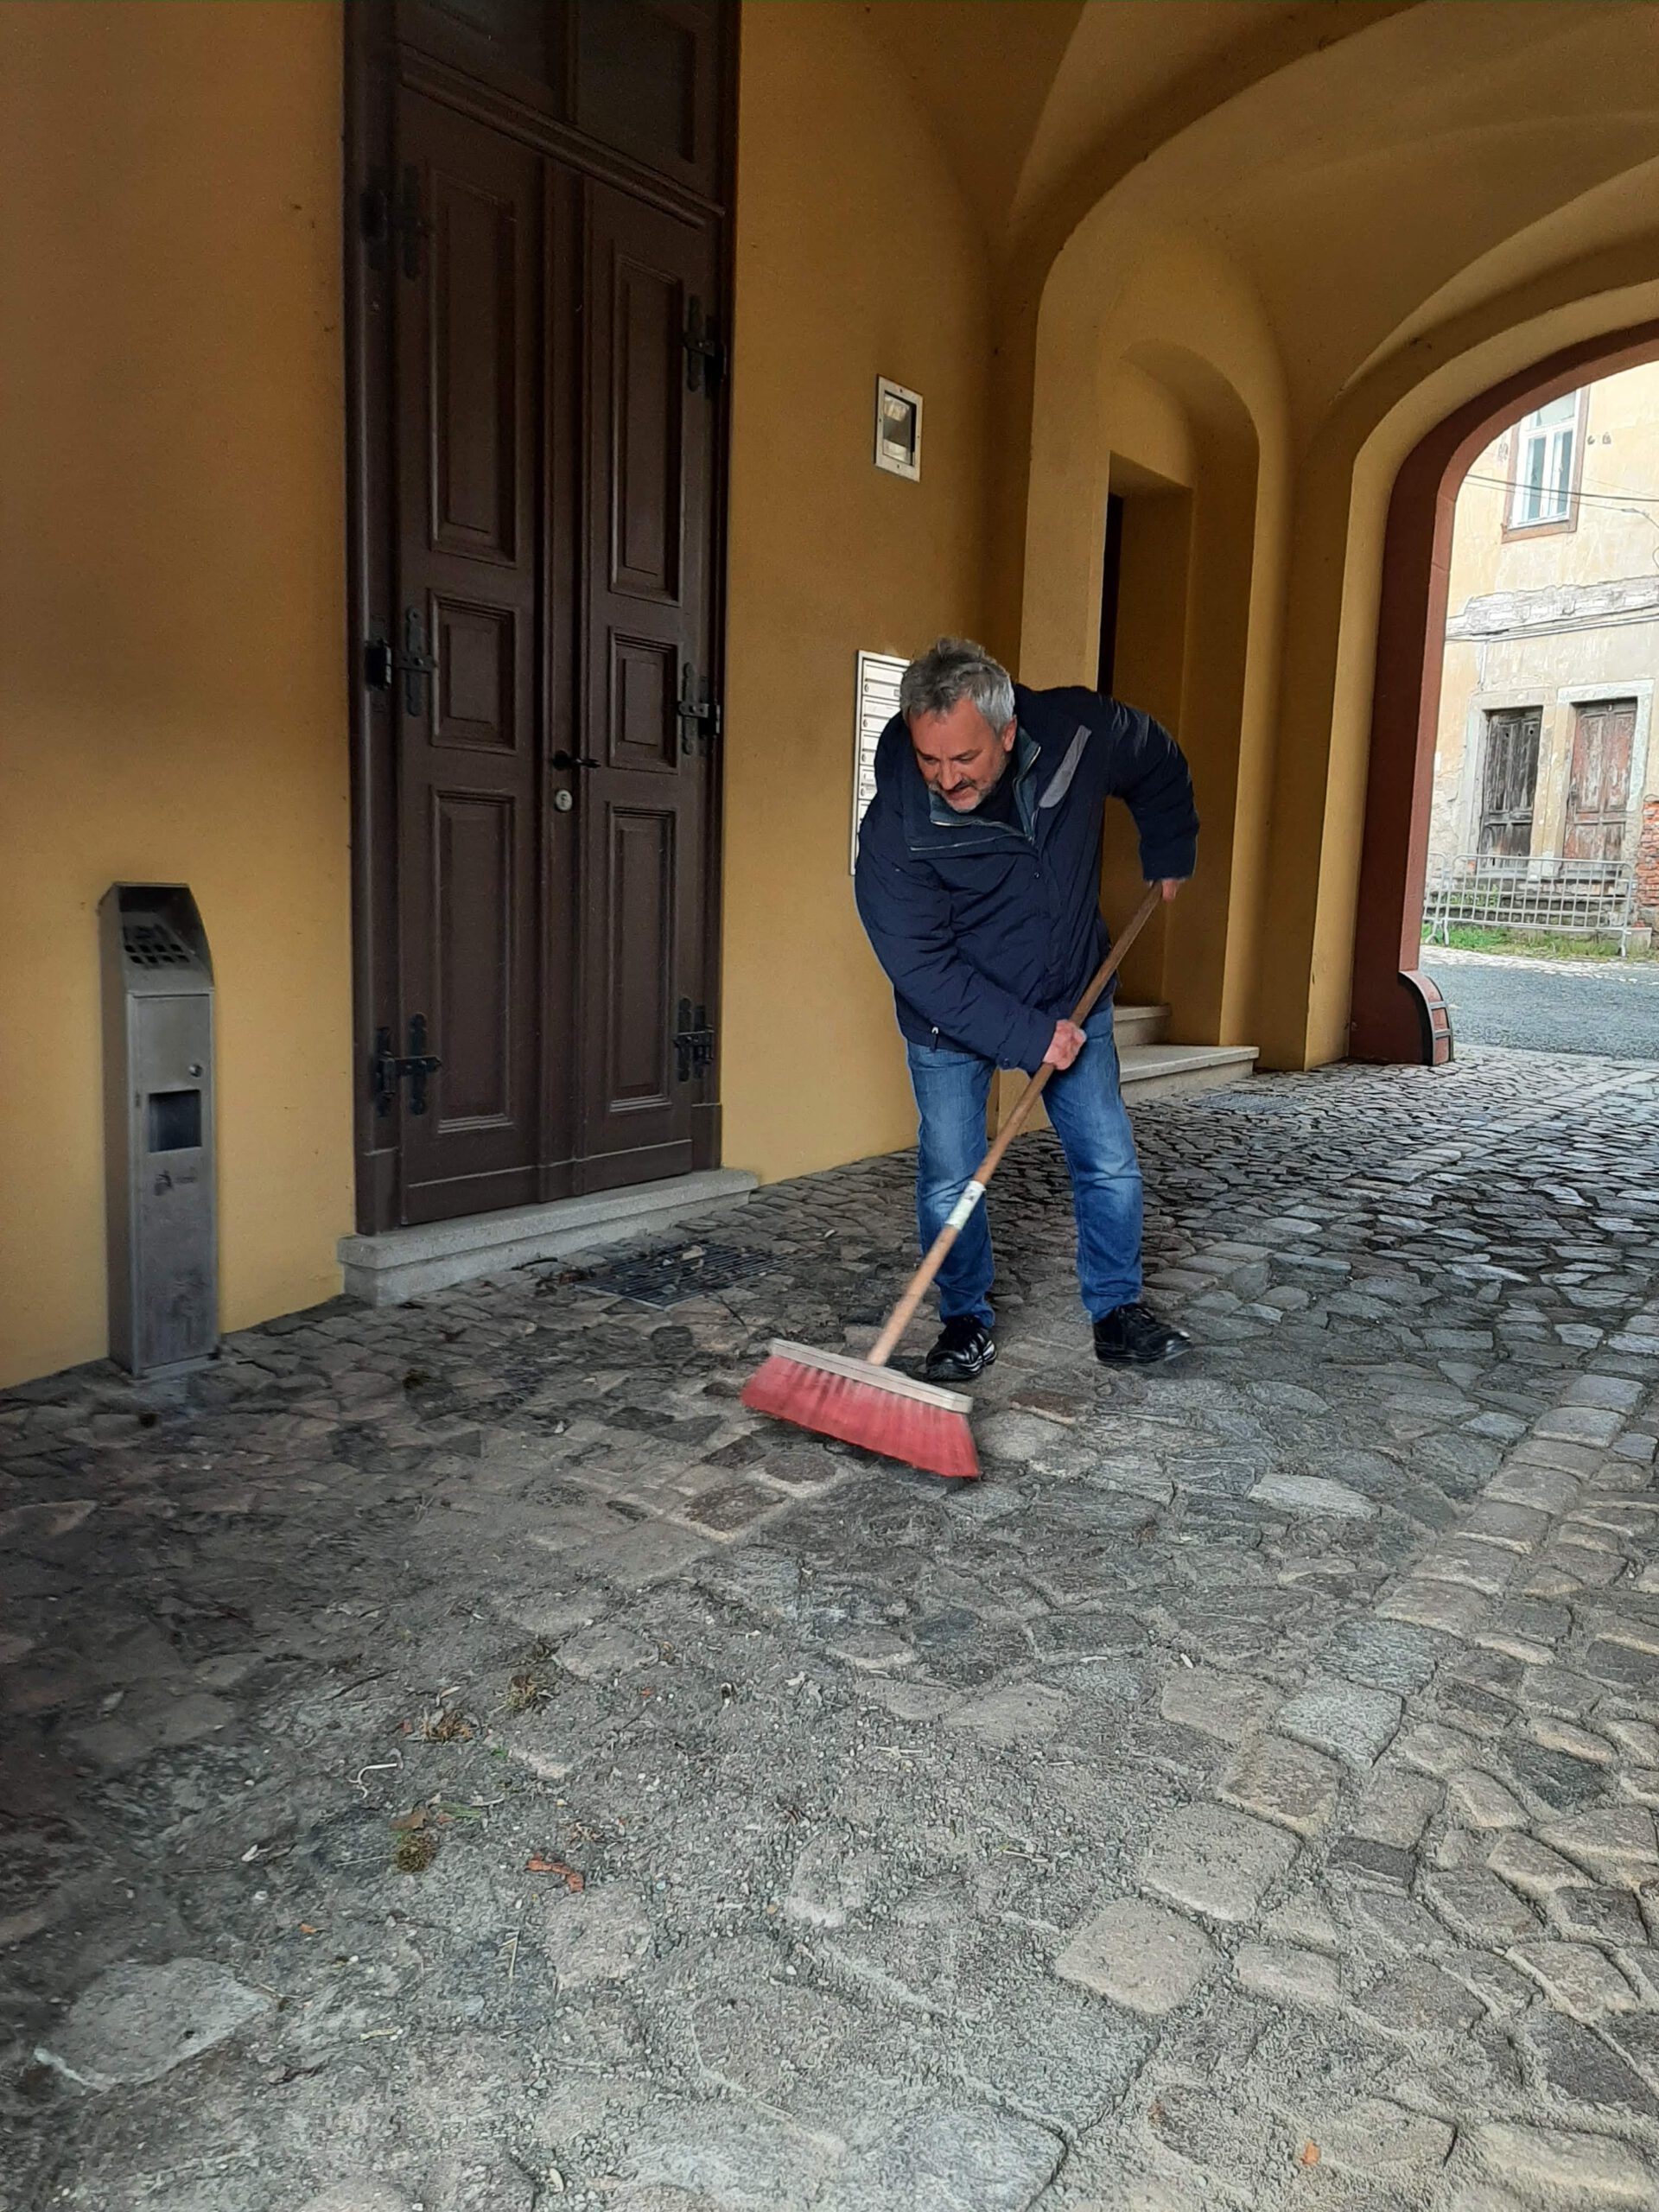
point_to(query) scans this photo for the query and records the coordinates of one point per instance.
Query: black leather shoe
(1133, 1336)
(966, 1348)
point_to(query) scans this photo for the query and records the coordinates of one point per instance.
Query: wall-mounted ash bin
(160, 1167)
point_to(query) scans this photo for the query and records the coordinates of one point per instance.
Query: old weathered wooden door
(1598, 786)
(543, 659)
(1508, 782)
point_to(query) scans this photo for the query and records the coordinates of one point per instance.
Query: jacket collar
(932, 826)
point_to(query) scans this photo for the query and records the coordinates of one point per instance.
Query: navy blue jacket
(988, 930)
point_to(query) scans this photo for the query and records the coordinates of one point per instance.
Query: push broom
(861, 1401)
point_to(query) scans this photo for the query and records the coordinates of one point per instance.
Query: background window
(1546, 451)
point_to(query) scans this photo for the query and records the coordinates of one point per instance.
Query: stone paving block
(1140, 1956)
(1019, 1713)
(1596, 1913)
(1520, 1528)
(1555, 1780)
(1624, 1666)
(1479, 1800)
(1569, 2169)
(1353, 1723)
(1446, 1607)
(1581, 1424)
(1417, 1999)
(1285, 1782)
(1580, 2070)
(1531, 1868)
(1386, 1654)
(1565, 1736)
(1375, 2137)
(1547, 1489)
(1215, 1862)
(1621, 1839)
(1314, 1494)
(646, 1554)
(1396, 1807)
(1575, 1977)
(1560, 1691)
(1434, 1749)
(950, 2154)
(1208, 2131)
(833, 1881)
(1479, 1907)
(137, 2022)
(1384, 1924)
(1286, 1975)
(1361, 1859)
(1639, 1740)
(599, 1936)
(1217, 1703)
(1464, 1559)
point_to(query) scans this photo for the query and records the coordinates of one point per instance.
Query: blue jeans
(1086, 1108)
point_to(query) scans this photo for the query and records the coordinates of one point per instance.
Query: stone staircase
(1153, 1068)
(1149, 1066)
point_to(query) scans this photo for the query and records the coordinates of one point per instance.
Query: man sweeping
(978, 881)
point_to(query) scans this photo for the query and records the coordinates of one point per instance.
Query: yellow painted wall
(857, 255)
(172, 617)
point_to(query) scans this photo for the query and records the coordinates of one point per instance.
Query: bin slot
(175, 1121)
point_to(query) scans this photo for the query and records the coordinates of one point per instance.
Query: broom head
(826, 1391)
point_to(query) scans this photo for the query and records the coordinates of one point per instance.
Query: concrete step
(404, 1263)
(1167, 1070)
(1140, 1025)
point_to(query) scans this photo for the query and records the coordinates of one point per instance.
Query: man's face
(960, 755)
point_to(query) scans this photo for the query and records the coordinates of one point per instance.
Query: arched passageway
(1397, 1014)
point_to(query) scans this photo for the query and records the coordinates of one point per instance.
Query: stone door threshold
(404, 1263)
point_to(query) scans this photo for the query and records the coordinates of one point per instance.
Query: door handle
(573, 760)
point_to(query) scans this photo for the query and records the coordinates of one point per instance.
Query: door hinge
(381, 661)
(386, 1070)
(694, 1042)
(394, 221)
(699, 719)
(705, 356)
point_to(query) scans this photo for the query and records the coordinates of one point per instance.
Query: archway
(1396, 1011)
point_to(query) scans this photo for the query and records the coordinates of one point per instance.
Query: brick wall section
(1647, 860)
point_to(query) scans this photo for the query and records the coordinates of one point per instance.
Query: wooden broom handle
(899, 1320)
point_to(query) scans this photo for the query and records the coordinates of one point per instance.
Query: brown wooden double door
(553, 465)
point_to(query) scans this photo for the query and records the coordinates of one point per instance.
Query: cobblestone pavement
(456, 1758)
(1606, 1007)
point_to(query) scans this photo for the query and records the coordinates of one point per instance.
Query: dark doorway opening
(1111, 583)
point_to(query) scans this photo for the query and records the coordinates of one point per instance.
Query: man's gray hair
(953, 669)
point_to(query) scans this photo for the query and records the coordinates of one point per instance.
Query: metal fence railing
(1558, 897)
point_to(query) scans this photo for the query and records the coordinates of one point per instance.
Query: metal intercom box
(158, 1127)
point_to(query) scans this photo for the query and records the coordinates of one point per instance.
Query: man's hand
(1067, 1042)
(1170, 885)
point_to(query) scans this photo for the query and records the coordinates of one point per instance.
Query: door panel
(1598, 790)
(650, 455)
(469, 385)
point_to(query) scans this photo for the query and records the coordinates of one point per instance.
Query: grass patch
(1537, 944)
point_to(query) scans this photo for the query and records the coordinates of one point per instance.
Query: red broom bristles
(873, 1414)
